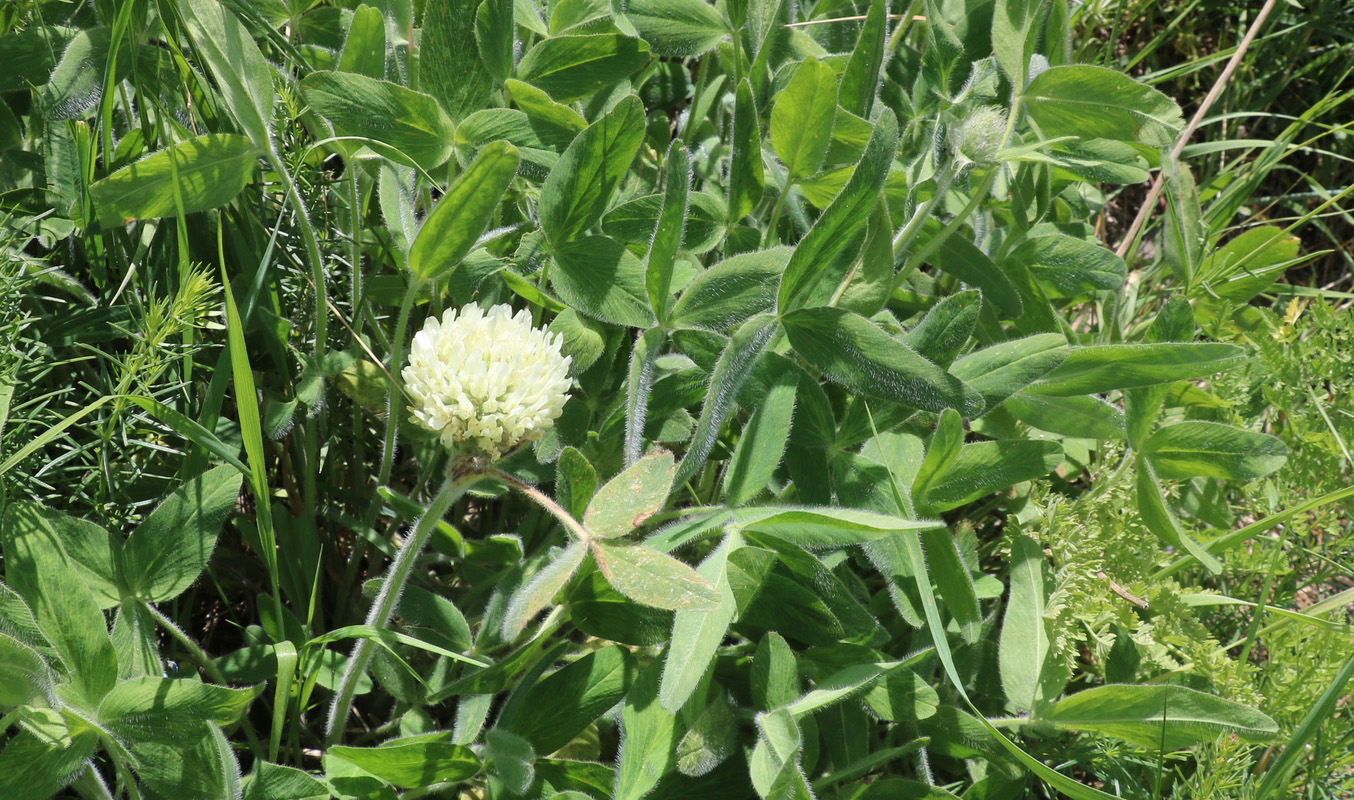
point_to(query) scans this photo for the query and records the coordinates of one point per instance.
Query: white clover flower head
(486, 381)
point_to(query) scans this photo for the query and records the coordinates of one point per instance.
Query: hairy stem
(383, 608)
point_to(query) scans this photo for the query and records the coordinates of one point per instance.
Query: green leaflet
(193, 175)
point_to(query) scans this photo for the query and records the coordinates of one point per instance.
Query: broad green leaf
(571, 67)
(735, 365)
(1068, 266)
(167, 551)
(24, 676)
(512, 759)
(1247, 265)
(1029, 675)
(837, 687)
(599, 610)
(801, 120)
(746, 176)
(583, 340)
(30, 767)
(697, 635)
(463, 213)
(243, 76)
(667, 235)
(166, 709)
(1162, 521)
(982, 468)
(732, 291)
(207, 172)
(1079, 416)
(951, 576)
(774, 763)
(868, 284)
(649, 739)
(434, 618)
(1013, 23)
(649, 577)
(544, 111)
(206, 767)
(602, 279)
(496, 35)
(63, 606)
(350, 780)
(1213, 450)
(413, 761)
(854, 352)
(631, 497)
(774, 674)
(943, 332)
(860, 81)
(941, 451)
(820, 260)
(677, 27)
(273, 781)
(576, 193)
(558, 708)
(903, 696)
(634, 221)
(1093, 102)
(1186, 233)
(1165, 717)
(364, 50)
(999, 371)
(961, 258)
(30, 54)
(450, 66)
(575, 481)
(17, 619)
(93, 551)
(1101, 368)
(780, 586)
(761, 443)
(406, 126)
(134, 633)
(540, 591)
(711, 739)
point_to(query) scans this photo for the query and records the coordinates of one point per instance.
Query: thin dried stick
(1146, 210)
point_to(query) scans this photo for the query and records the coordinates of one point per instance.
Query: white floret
(484, 382)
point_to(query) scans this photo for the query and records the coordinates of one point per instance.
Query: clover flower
(486, 381)
(978, 139)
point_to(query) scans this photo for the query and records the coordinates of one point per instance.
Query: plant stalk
(383, 608)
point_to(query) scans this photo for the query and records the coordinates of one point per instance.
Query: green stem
(383, 608)
(196, 653)
(544, 501)
(776, 211)
(393, 407)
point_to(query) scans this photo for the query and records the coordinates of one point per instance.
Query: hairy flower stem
(383, 608)
(544, 501)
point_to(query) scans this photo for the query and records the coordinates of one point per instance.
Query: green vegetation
(672, 398)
